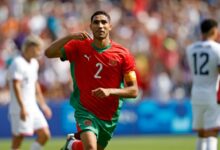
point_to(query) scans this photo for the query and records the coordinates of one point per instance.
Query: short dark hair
(207, 25)
(100, 12)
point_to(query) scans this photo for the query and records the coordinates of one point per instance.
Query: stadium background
(156, 32)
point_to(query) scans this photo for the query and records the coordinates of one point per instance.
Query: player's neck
(26, 57)
(101, 43)
(209, 38)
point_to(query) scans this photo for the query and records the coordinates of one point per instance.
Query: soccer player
(204, 61)
(25, 115)
(99, 66)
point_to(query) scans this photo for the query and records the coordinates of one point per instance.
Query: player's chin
(101, 36)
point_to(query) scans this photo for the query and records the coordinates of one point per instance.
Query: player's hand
(47, 111)
(81, 36)
(23, 114)
(101, 92)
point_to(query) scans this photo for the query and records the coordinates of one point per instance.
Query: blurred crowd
(155, 31)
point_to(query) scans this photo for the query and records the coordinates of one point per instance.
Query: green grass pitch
(123, 143)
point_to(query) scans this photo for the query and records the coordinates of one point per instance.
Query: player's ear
(90, 26)
(110, 27)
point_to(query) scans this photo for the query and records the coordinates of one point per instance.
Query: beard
(100, 36)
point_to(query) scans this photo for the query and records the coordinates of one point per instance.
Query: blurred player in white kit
(204, 62)
(25, 116)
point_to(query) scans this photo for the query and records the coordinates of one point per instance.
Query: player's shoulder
(194, 45)
(17, 60)
(83, 42)
(34, 62)
(17, 63)
(215, 48)
(119, 47)
(80, 42)
(214, 44)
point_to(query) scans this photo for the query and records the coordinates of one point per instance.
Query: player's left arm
(47, 111)
(129, 91)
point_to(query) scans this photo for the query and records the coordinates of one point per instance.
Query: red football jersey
(94, 68)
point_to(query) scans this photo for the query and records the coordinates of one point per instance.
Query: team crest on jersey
(87, 122)
(112, 62)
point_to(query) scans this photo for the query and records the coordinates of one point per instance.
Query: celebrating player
(99, 66)
(25, 115)
(204, 61)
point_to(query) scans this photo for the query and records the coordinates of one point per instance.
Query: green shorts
(102, 129)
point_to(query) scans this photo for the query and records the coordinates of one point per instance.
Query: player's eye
(100, 21)
(104, 22)
(96, 21)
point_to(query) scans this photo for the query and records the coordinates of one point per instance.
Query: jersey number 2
(199, 68)
(100, 67)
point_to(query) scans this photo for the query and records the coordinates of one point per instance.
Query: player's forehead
(100, 17)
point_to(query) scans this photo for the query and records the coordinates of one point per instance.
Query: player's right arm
(54, 50)
(129, 91)
(17, 91)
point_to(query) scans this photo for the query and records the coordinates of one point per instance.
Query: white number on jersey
(100, 67)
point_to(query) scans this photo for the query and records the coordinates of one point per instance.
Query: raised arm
(129, 91)
(54, 50)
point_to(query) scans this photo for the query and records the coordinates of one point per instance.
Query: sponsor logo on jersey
(87, 56)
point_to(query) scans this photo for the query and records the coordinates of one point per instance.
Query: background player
(98, 68)
(204, 60)
(25, 115)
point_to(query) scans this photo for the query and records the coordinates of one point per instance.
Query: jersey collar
(100, 50)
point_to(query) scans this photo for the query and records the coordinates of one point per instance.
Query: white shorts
(206, 116)
(34, 121)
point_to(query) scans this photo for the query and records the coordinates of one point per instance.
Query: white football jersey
(27, 73)
(204, 58)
